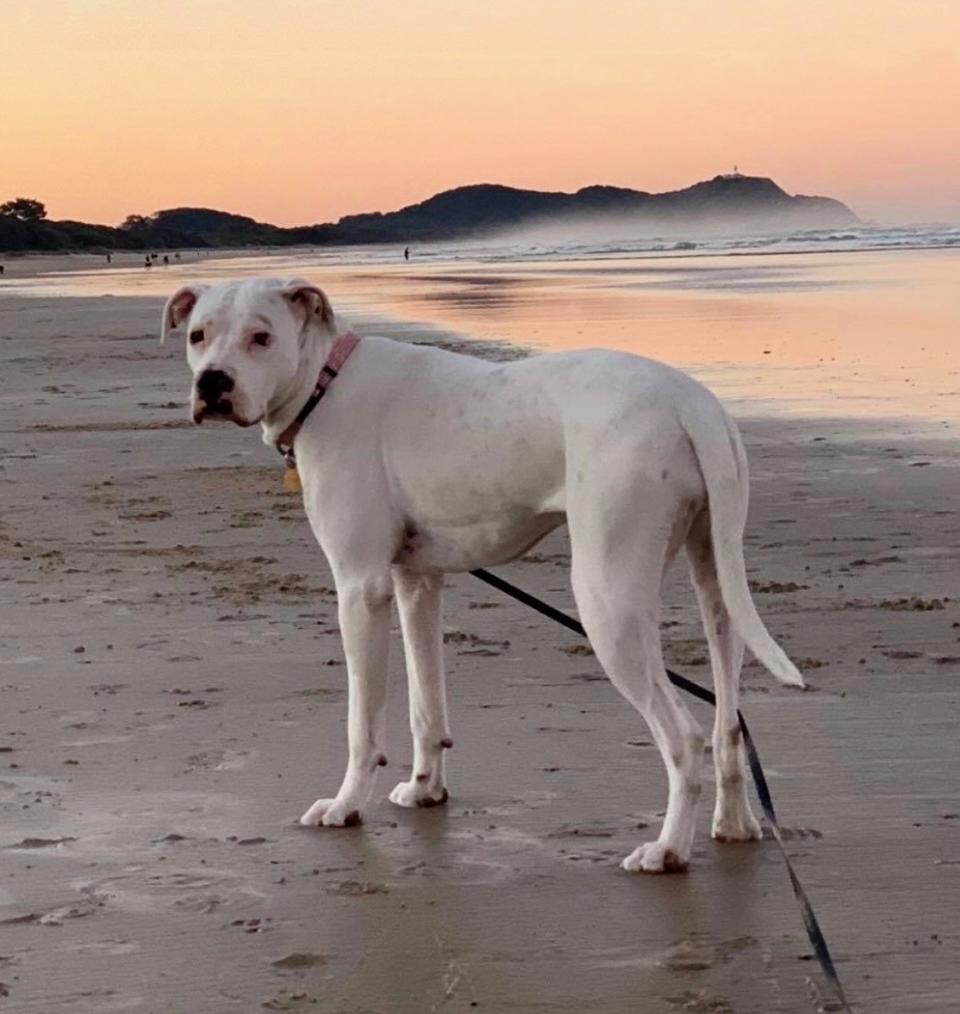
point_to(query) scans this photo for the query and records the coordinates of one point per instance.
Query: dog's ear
(179, 306)
(308, 299)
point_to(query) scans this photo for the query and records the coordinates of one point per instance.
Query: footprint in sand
(298, 961)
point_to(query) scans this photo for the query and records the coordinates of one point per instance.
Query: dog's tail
(723, 463)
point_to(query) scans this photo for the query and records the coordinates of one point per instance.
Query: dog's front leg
(418, 601)
(364, 612)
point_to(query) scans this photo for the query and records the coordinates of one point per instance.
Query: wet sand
(172, 697)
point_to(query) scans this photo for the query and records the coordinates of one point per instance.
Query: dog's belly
(438, 548)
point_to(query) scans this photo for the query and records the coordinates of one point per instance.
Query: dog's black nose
(212, 385)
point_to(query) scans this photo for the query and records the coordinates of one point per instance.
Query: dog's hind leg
(616, 576)
(733, 820)
(364, 604)
(418, 601)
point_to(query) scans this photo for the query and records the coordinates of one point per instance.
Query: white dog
(421, 462)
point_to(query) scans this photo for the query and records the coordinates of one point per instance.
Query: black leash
(814, 932)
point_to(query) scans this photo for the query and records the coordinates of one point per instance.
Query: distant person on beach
(109, 258)
(2, 269)
(147, 263)
(166, 259)
(406, 253)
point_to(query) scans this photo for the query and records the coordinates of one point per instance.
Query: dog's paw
(734, 827)
(654, 857)
(414, 793)
(331, 813)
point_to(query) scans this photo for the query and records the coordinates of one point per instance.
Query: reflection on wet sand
(849, 334)
(866, 334)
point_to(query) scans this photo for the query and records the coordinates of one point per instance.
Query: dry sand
(172, 696)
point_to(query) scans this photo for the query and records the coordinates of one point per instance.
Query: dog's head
(245, 342)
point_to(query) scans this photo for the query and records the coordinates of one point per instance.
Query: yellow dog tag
(291, 480)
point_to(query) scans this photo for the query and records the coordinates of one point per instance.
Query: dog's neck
(288, 401)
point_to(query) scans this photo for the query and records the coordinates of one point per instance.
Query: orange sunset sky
(300, 111)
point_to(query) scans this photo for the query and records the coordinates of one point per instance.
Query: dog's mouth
(219, 411)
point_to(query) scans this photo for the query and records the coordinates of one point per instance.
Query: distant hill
(733, 201)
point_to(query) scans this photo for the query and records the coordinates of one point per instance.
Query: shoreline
(571, 256)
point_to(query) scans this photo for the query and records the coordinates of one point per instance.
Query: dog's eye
(196, 336)
(261, 338)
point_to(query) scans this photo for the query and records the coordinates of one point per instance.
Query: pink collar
(339, 354)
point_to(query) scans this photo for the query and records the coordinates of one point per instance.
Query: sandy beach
(172, 691)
